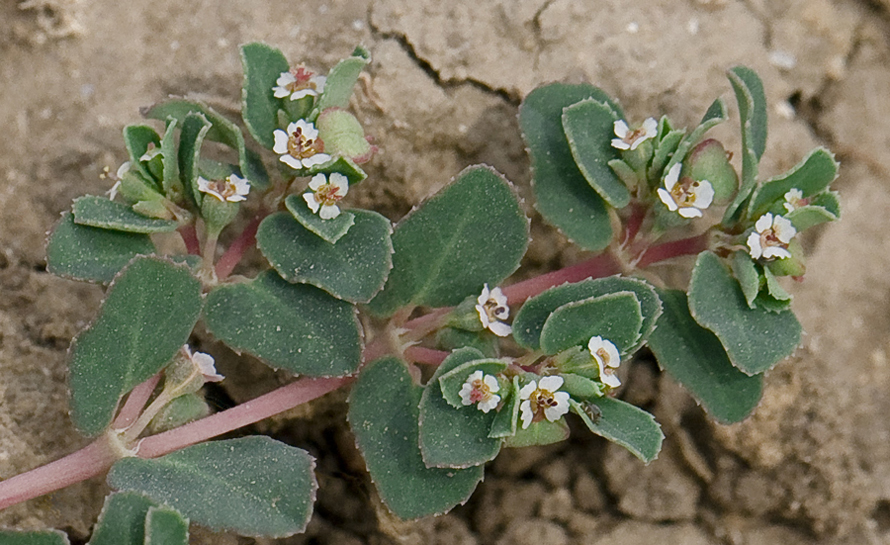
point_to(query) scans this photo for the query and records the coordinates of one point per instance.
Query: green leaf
(122, 520)
(694, 357)
(195, 128)
(624, 424)
(221, 130)
(172, 183)
(290, 326)
(588, 125)
(341, 80)
(137, 139)
(809, 216)
(580, 388)
(330, 230)
(343, 135)
(529, 321)
(616, 317)
(165, 526)
(752, 113)
(90, 254)
(811, 176)
(745, 270)
(354, 269)
(41, 537)
(383, 414)
(106, 214)
(254, 486)
(343, 165)
(755, 339)
(507, 419)
(715, 115)
(829, 201)
(148, 314)
(470, 233)
(664, 151)
(538, 434)
(562, 194)
(262, 65)
(452, 435)
(773, 287)
(449, 338)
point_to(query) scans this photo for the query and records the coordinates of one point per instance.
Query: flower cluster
(300, 147)
(630, 140)
(231, 188)
(298, 83)
(686, 196)
(480, 389)
(326, 192)
(771, 237)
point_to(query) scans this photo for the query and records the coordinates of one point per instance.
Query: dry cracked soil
(810, 466)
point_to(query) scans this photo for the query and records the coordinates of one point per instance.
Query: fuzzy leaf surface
(623, 424)
(745, 270)
(172, 183)
(530, 319)
(456, 437)
(562, 193)
(137, 139)
(330, 230)
(752, 113)
(696, 359)
(41, 537)
(811, 176)
(166, 526)
(616, 316)
(254, 486)
(262, 66)
(588, 125)
(470, 233)
(92, 254)
(755, 339)
(107, 214)
(353, 269)
(341, 80)
(195, 128)
(383, 414)
(122, 520)
(289, 326)
(148, 314)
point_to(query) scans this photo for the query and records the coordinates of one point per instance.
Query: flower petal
(317, 181)
(551, 383)
(489, 404)
(281, 140)
(621, 129)
(491, 382)
(690, 212)
(286, 78)
(297, 95)
(329, 211)
(754, 245)
(292, 162)
(500, 329)
(667, 199)
(618, 143)
(528, 390)
(672, 177)
(783, 228)
(316, 159)
(650, 127)
(527, 415)
(610, 380)
(704, 194)
(776, 251)
(310, 199)
(309, 130)
(483, 297)
(764, 222)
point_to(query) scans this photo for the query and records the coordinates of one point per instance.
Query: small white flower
(480, 388)
(771, 237)
(151, 153)
(232, 188)
(607, 359)
(630, 140)
(300, 147)
(544, 401)
(299, 83)
(687, 197)
(204, 363)
(493, 310)
(794, 200)
(326, 193)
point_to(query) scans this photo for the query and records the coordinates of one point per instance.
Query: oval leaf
(341, 80)
(289, 326)
(165, 526)
(122, 520)
(622, 423)
(752, 115)
(589, 128)
(563, 196)
(106, 214)
(383, 414)
(470, 233)
(696, 359)
(354, 269)
(811, 176)
(137, 139)
(92, 254)
(254, 486)
(755, 339)
(262, 65)
(456, 436)
(330, 230)
(147, 316)
(616, 317)
(43, 537)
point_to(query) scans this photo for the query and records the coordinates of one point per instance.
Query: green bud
(576, 360)
(217, 214)
(709, 161)
(182, 410)
(343, 135)
(790, 266)
(135, 188)
(465, 316)
(298, 109)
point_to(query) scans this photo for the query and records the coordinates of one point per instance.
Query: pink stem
(675, 248)
(235, 251)
(420, 354)
(135, 403)
(190, 238)
(92, 460)
(280, 400)
(634, 222)
(598, 267)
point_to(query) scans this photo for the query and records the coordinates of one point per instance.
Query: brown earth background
(811, 466)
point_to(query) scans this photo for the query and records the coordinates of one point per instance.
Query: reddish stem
(235, 251)
(190, 238)
(675, 248)
(135, 403)
(634, 222)
(420, 354)
(92, 460)
(598, 267)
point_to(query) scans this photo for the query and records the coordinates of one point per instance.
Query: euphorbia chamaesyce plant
(510, 363)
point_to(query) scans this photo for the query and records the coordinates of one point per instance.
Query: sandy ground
(811, 466)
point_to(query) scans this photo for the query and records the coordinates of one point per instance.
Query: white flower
(493, 310)
(771, 237)
(151, 153)
(204, 363)
(232, 188)
(687, 197)
(543, 402)
(628, 139)
(607, 359)
(480, 388)
(326, 193)
(794, 200)
(300, 147)
(299, 83)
